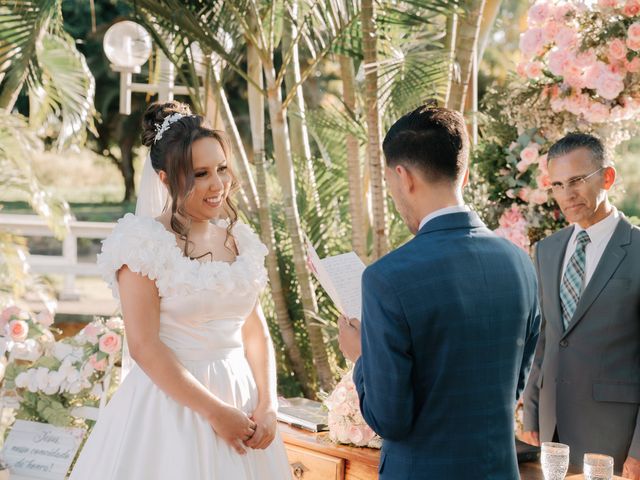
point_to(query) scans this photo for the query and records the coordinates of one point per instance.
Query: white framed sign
(40, 451)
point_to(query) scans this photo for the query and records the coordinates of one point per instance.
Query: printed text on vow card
(40, 451)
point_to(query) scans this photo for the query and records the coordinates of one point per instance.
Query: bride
(200, 401)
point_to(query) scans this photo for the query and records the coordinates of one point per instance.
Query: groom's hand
(349, 337)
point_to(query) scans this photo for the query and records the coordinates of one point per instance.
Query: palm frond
(62, 92)
(18, 147)
(22, 25)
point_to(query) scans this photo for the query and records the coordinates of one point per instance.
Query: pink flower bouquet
(346, 424)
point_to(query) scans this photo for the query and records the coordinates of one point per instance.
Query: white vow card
(40, 451)
(341, 277)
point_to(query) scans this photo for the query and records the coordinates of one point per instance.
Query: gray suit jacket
(586, 381)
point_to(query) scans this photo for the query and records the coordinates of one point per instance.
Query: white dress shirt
(443, 211)
(600, 234)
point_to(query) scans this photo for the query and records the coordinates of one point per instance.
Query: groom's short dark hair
(432, 139)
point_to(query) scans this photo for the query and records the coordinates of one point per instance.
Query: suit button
(564, 344)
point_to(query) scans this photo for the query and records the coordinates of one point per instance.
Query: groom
(449, 320)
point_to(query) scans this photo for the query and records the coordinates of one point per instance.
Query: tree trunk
(450, 43)
(356, 196)
(300, 147)
(489, 15)
(369, 48)
(249, 192)
(285, 325)
(284, 166)
(466, 48)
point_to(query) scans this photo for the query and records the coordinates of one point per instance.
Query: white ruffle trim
(146, 247)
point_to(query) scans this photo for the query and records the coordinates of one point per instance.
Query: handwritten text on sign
(39, 450)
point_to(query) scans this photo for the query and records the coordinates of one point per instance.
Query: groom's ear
(406, 176)
(465, 178)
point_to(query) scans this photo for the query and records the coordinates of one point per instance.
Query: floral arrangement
(582, 66)
(45, 379)
(346, 424)
(517, 204)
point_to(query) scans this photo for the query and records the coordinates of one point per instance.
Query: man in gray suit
(584, 387)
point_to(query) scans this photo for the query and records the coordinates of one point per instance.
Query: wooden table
(314, 457)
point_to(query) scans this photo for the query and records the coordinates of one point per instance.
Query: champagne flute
(554, 458)
(598, 467)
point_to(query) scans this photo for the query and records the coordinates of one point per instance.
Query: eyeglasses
(577, 182)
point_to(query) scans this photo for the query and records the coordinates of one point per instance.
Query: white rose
(74, 387)
(62, 350)
(55, 379)
(22, 380)
(50, 390)
(3, 346)
(32, 384)
(29, 350)
(115, 323)
(42, 376)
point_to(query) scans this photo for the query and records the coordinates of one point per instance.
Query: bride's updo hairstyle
(172, 154)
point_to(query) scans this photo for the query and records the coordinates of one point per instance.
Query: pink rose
(633, 33)
(597, 113)
(521, 68)
(617, 49)
(355, 435)
(633, 44)
(18, 330)
(342, 433)
(44, 318)
(7, 314)
(607, 3)
(566, 38)
(523, 194)
(538, 196)
(518, 236)
(561, 11)
(543, 181)
(631, 8)
(585, 59)
(634, 65)
(550, 30)
(530, 153)
(532, 42)
(533, 70)
(91, 331)
(558, 61)
(609, 86)
(542, 162)
(511, 217)
(522, 166)
(100, 365)
(110, 343)
(539, 13)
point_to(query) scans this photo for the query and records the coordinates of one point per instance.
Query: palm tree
(38, 56)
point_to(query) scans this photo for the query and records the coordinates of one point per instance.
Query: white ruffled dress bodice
(202, 304)
(143, 433)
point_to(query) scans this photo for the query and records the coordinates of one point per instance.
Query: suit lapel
(555, 259)
(611, 258)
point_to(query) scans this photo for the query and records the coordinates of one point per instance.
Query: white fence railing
(67, 264)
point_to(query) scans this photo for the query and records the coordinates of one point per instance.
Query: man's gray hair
(574, 141)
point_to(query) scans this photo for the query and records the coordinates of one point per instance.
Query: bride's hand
(266, 423)
(233, 426)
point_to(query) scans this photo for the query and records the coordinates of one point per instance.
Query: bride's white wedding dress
(143, 433)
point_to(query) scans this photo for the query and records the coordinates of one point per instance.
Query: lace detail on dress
(146, 247)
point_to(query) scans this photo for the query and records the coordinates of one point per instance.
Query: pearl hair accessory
(160, 129)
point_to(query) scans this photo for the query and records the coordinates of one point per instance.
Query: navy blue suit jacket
(450, 322)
